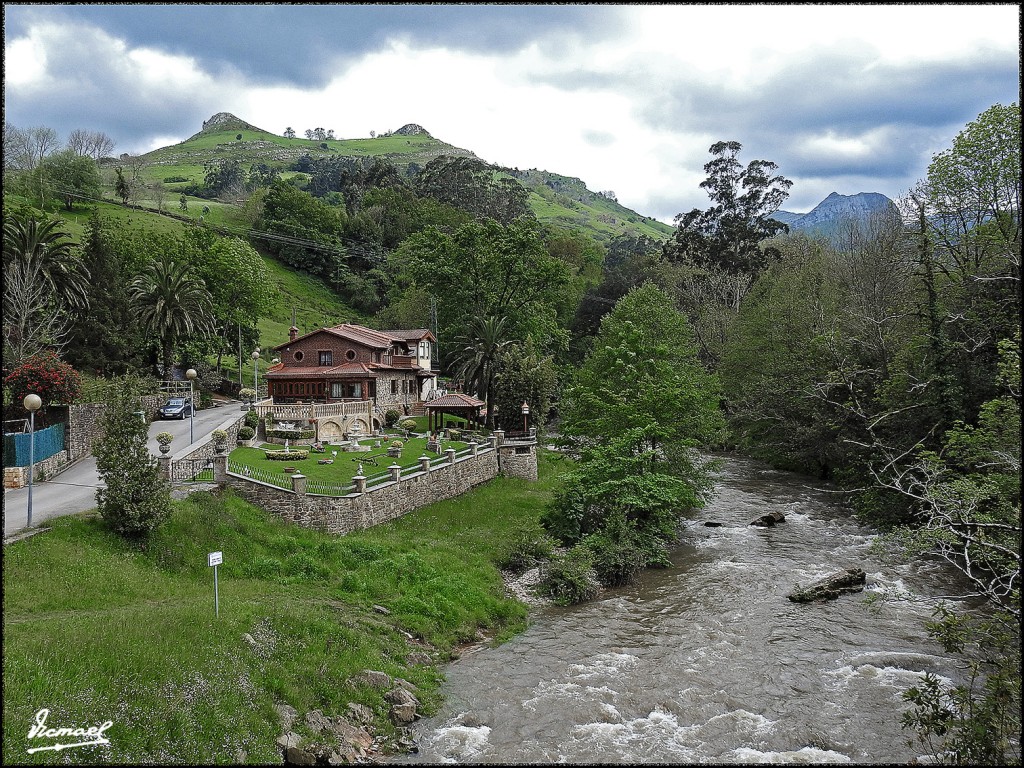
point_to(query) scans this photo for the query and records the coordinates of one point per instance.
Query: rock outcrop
(767, 521)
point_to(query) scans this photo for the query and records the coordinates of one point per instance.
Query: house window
(336, 390)
(326, 357)
(298, 356)
(372, 389)
(394, 386)
(350, 354)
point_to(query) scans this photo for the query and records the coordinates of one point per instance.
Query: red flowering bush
(45, 375)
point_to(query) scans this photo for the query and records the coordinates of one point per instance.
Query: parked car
(176, 408)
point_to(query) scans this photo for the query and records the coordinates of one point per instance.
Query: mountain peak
(225, 121)
(411, 129)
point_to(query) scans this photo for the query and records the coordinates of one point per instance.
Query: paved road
(74, 489)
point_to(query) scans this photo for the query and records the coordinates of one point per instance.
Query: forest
(885, 359)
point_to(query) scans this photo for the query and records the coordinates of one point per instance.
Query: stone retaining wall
(342, 514)
(182, 464)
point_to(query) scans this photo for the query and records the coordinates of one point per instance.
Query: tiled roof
(410, 335)
(366, 336)
(454, 400)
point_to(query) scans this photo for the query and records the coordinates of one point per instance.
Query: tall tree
(31, 237)
(635, 411)
(478, 356)
(72, 177)
(172, 305)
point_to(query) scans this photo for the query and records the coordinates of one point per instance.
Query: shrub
(174, 179)
(286, 455)
(246, 433)
(391, 418)
(397, 444)
(247, 393)
(302, 434)
(570, 578)
(619, 551)
(409, 424)
(454, 434)
(134, 499)
(252, 419)
(45, 375)
(219, 435)
(164, 438)
(527, 550)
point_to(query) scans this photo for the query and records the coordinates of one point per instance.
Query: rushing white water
(708, 661)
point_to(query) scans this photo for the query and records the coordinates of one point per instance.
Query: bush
(527, 550)
(247, 393)
(174, 179)
(391, 418)
(454, 434)
(408, 424)
(164, 438)
(252, 420)
(620, 551)
(45, 375)
(397, 444)
(286, 455)
(219, 435)
(246, 433)
(570, 578)
(291, 434)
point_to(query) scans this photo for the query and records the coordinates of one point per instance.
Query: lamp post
(191, 374)
(32, 404)
(526, 412)
(255, 356)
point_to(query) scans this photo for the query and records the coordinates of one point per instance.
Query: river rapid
(708, 661)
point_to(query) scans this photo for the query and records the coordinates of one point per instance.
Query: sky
(628, 98)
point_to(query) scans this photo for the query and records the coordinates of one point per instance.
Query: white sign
(216, 558)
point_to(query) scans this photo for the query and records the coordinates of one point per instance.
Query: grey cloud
(303, 44)
(598, 138)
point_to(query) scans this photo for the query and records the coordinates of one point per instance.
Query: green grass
(345, 464)
(97, 630)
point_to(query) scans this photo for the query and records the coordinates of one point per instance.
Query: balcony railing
(307, 411)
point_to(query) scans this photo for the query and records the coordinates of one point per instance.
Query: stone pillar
(164, 464)
(450, 454)
(360, 483)
(473, 448)
(299, 484)
(396, 472)
(500, 434)
(424, 463)
(220, 468)
(494, 441)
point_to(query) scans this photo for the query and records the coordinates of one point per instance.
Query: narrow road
(74, 489)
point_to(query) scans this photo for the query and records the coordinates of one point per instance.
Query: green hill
(558, 200)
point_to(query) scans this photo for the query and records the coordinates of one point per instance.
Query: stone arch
(330, 428)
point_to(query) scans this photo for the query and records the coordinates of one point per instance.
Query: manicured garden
(345, 463)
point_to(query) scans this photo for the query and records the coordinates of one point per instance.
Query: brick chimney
(293, 333)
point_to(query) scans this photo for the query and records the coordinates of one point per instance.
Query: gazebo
(454, 404)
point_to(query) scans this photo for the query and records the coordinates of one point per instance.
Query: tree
(72, 177)
(289, 133)
(94, 144)
(133, 499)
(172, 305)
(484, 269)
(33, 321)
(633, 414)
(121, 186)
(721, 249)
(479, 355)
(32, 238)
(525, 374)
(470, 184)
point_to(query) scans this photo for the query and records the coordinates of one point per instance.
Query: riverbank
(97, 631)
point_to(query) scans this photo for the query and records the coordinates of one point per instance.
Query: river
(708, 661)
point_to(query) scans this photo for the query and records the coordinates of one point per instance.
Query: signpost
(214, 559)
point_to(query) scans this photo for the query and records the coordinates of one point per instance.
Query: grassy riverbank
(95, 630)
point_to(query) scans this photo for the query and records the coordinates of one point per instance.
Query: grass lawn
(346, 464)
(97, 629)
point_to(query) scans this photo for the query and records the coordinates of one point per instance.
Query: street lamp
(526, 412)
(191, 374)
(32, 404)
(255, 381)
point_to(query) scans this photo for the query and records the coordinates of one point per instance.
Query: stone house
(350, 363)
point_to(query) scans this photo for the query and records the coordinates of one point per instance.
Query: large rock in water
(831, 587)
(767, 521)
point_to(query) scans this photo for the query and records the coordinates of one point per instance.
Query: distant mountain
(827, 215)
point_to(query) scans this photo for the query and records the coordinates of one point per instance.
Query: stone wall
(342, 514)
(182, 464)
(80, 434)
(518, 458)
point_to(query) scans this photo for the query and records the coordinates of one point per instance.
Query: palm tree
(41, 246)
(171, 305)
(479, 356)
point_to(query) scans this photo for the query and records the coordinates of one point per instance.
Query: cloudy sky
(629, 98)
